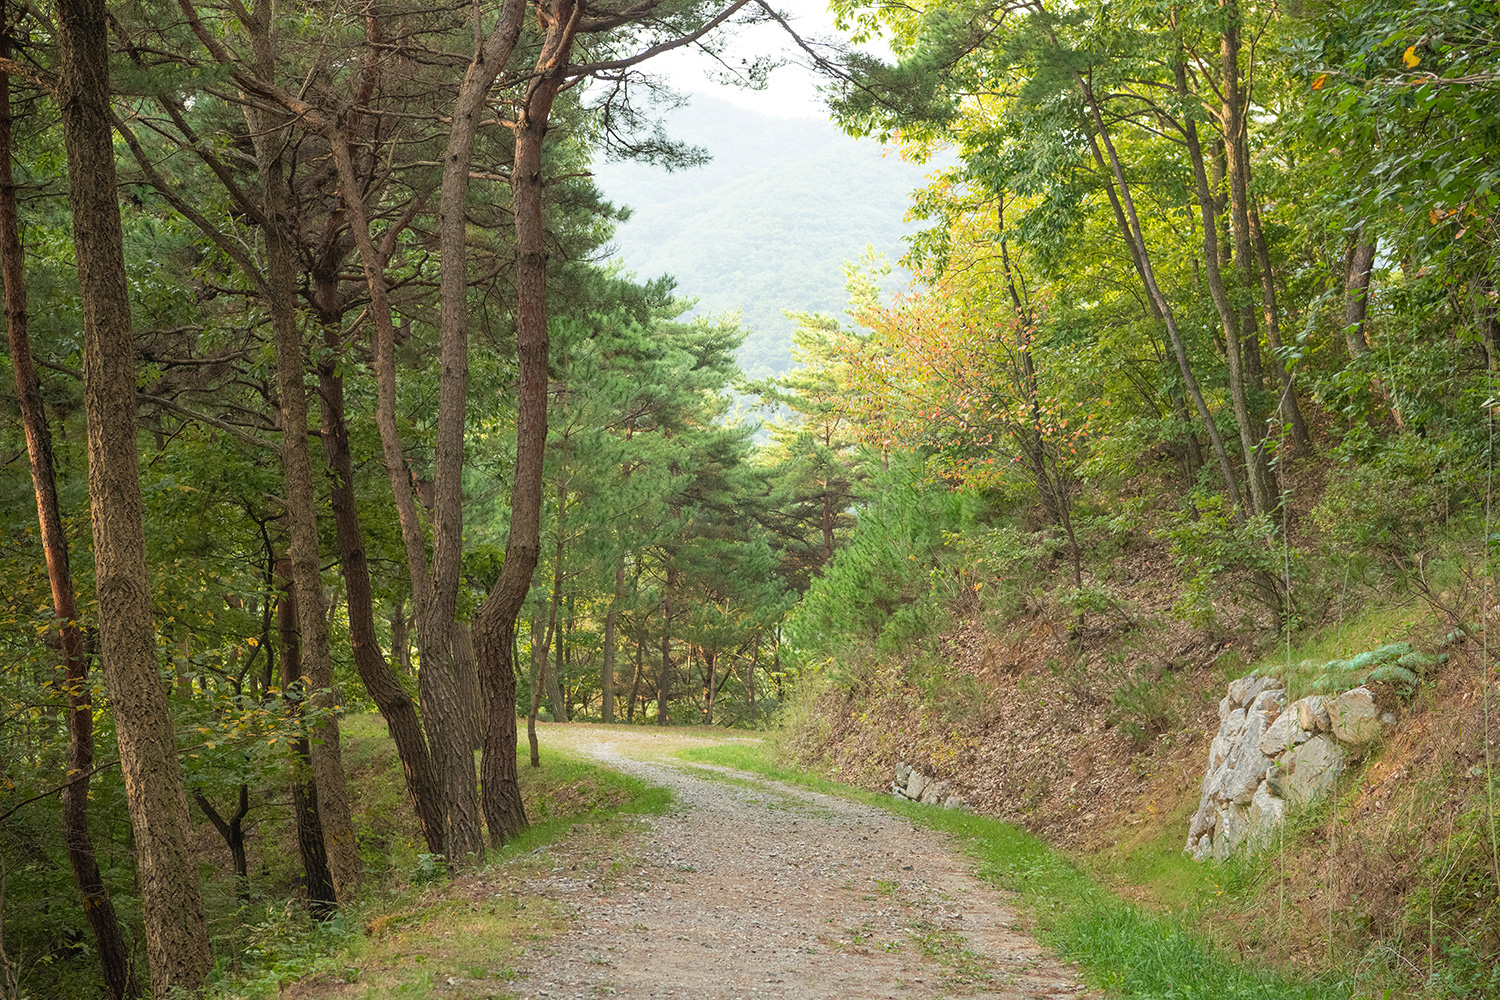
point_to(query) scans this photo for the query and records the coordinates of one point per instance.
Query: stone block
(1308, 772)
(1355, 718)
(1283, 734)
(1266, 813)
(1312, 714)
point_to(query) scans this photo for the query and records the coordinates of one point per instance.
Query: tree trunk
(1289, 405)
(549, 678)
(114, 955)
(664, 675)
(400, 639)
(538, 665)
(495, 623)
(396, 706)
(322, 896)
(443, 708)
(635, 684)
(1260, 491)
(607, 672)
(177, 944)
(270, 137)
(1359, 265)
(233, 832)
(1245, 367)
(710, 662)
(1129, 223)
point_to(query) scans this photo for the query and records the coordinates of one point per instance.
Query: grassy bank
(416, 931)
(1120, 946)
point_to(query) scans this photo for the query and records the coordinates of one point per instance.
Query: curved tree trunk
(495, 623)
(270, 137)
(177, 944)
(379, 678)
(1130, 229)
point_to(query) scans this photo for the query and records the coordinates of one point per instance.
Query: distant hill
(768, 224)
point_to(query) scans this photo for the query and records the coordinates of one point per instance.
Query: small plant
(429, 868)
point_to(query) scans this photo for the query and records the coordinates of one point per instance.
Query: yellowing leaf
(1411, 58)
(1319, 80)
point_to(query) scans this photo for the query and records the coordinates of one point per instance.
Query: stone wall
(912, 785)
(1270, 758)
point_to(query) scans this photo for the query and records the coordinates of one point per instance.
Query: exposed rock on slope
(1270, 758)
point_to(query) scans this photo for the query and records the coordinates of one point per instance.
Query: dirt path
(749, 889)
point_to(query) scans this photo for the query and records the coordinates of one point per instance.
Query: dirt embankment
(1101, 751)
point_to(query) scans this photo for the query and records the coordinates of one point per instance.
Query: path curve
(751, 889)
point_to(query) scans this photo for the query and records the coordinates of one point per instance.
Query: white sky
(792, 91)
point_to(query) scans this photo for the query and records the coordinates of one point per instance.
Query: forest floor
(750, 888)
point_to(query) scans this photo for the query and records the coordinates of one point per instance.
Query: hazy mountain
(768, 224)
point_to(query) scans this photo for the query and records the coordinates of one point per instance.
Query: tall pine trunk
(495, 623)
(322, 897)
(395, 705)
(271, 141)
(177, 946)
(98, 907)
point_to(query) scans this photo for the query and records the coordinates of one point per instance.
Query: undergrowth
(418, 929)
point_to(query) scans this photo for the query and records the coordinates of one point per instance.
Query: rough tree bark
(495, 623)
(98, 907)
(177, 944)
(270, 133)
(395, 705)
(322, 896)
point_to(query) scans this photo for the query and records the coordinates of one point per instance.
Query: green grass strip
(1119, 947)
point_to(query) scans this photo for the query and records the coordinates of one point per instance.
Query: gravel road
(748, 888)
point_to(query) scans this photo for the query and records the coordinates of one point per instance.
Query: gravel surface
(748, 888)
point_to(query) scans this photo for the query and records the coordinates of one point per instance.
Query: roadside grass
(1120, 947)
(418, 932)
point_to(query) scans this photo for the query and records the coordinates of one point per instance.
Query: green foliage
(887, 587)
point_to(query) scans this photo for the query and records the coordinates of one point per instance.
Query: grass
(417, 933)
(1120, 947)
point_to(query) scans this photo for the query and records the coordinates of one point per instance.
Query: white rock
(903, 771)
(915, 784)
(1312, 714)
(1306, 773)
(1355, 718)
(1266, 814)
(1283, 734)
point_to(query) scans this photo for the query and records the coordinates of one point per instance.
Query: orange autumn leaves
(943, 375)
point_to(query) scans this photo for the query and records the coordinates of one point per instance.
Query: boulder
(1312, 714)
(1306, 773)
(1283, 734)
(915, 784)
(1245, 690)
(933, 792)
(1239, 781)
(1355, 718)
(903, 772)
(1266, 814)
